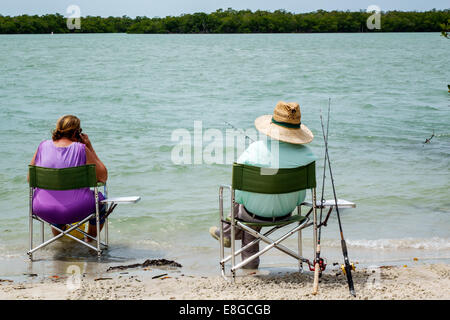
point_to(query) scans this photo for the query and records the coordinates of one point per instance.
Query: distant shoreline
(232, 22)
(212, 34)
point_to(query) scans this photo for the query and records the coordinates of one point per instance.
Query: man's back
(273, 154)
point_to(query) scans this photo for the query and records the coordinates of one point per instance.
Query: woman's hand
(85, 140)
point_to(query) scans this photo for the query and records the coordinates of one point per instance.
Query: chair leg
(106, 232)
(99, 251)
(30, 227)
(300, 244)
(222, 249)
(63, 233)
(233, 236)
(300, 251)
(30, 221)
(97, 220)
(105, 190)
(233, 252)
(271, 243)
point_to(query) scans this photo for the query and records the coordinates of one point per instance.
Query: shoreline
(386, 283)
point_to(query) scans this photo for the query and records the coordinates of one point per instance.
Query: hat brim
(300, 135)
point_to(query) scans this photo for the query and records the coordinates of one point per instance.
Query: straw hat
(285, 124)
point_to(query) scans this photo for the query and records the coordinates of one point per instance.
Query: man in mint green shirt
(283, 149)
(260, 154)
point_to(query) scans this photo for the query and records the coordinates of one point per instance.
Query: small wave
(427, 107)
(155, 244)
(8, 255)
(10, 252)
(434, 243)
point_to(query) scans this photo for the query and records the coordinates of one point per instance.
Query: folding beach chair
(67, 179)
(261, 180)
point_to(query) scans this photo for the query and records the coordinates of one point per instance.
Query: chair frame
(236, 223)
(96, 214)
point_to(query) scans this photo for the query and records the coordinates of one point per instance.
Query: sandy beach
(420, 282)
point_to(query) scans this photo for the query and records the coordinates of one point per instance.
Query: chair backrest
(63, 179)
(272, 181)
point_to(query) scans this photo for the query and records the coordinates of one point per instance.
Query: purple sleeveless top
(62, 206)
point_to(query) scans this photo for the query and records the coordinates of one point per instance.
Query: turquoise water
(388, 93)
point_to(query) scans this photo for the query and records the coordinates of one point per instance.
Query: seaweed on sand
(148, 263)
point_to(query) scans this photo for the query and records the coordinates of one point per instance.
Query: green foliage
(33, 24)
(446, 30)
(233, 21)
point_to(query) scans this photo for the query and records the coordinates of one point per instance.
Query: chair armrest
(132, 199)
(331, 203)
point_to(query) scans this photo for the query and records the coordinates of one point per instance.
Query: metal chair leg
(97, 220)
(233, 244)
(222, 249)
(30, 221)
(30, 255)
(65, 233)
(300, 251)
(105, 190)
(300, 243)
(106, 232)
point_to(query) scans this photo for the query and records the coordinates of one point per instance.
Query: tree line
(233, 21)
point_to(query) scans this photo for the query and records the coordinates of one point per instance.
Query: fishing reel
(322, 265)
(352, 266)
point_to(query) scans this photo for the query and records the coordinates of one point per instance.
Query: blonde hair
(66, 126)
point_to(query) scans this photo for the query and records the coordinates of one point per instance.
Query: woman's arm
(92, 158)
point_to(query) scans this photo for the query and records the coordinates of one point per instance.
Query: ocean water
(132, 92)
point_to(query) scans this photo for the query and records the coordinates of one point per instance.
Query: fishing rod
(319, 264)
(322, 200)
(347, 267)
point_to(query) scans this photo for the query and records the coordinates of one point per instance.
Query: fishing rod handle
(350, 280)
(316, 278)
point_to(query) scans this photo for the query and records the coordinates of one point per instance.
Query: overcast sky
(162, 8)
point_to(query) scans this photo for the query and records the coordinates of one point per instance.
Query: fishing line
(242, 131)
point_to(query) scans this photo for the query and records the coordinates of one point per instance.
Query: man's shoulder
(254, 153)
(268, 153)
(295, 155)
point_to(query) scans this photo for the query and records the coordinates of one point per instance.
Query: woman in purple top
(68, 148)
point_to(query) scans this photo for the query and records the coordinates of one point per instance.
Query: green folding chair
(67, 179)
(268, 181)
